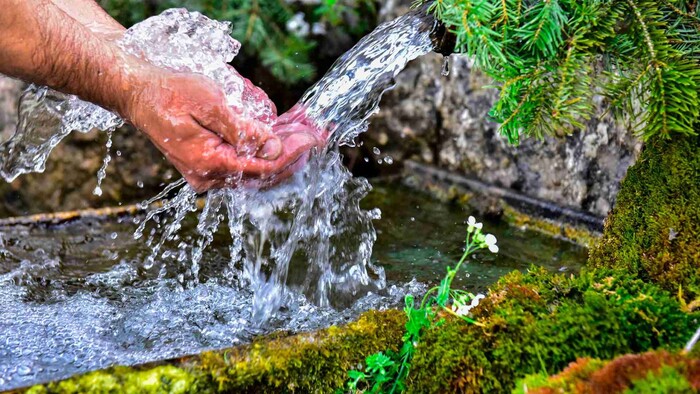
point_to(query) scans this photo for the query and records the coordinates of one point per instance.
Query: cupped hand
(211, 144)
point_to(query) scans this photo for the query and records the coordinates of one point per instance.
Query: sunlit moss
(651, 372)
(156, 380)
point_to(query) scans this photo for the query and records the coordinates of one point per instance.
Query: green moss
(565, 382)
(654, 229)
(315, 362)
(539, 322)
(651, 372)
(667, 380)
(157, 380)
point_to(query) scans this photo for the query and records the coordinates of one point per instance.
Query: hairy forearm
(40, 43)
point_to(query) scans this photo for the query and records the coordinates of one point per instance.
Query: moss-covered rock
(304, 363)
(651, 372)
(540, 322)
(654, 230)
(161, 379)
(532, 323)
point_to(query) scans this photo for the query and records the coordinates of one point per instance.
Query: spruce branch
(549, 57)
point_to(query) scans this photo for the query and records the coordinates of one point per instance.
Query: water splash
(45, 118)
(350, 92)
(309, 234)
(102, 173)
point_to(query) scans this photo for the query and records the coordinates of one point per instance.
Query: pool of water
(75, 297)
(418, 237)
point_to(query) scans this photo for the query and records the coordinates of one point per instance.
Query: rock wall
(442, 120)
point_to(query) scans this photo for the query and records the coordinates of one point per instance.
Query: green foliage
(549, 57)
(261, 26)
(653, 229)
(388, 373)
(667, 380)
(538, 323)
(649, 372)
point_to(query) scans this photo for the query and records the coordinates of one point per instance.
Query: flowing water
(76, 297)
(303, 244)
(187, 276)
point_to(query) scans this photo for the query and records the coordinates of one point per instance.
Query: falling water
(102, 172)
(314, 217)
(305, 239)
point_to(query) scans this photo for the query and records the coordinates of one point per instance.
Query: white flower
(490, 241)
(463, 310)
(318, 29)
(298, 26)
(473, 224)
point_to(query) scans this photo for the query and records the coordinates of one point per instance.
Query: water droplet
(23, 370)
(445, 66)
(139, 184)
(389, 160)
(114, 235)
(376, 150)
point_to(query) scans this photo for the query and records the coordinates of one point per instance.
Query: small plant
(386, 373)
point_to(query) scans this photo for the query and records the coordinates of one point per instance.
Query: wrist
(125, 83)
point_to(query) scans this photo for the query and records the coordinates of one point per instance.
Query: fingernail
(271, 150)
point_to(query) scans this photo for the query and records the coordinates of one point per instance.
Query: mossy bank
(635, 296)
(654, 230)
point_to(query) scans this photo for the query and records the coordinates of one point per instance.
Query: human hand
(292, 124)
(296, 118)
(212, 145)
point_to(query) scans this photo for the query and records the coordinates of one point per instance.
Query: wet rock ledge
(639, 293)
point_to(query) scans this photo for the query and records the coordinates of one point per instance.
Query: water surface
(76, 297)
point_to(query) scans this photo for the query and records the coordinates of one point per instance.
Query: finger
(296, 114)
(295, 145)
(249, 136)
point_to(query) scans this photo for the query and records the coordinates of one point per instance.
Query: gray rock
(9, 95)
(443, 121)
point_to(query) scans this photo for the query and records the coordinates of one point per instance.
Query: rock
(444, 121)
(9, 95)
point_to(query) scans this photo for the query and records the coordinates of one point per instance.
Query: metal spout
(444, 41)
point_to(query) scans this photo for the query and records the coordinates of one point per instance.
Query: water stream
(76, 297)
(293, 252)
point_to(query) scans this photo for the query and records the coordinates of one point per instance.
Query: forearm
(89, 14)
(42, 44)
